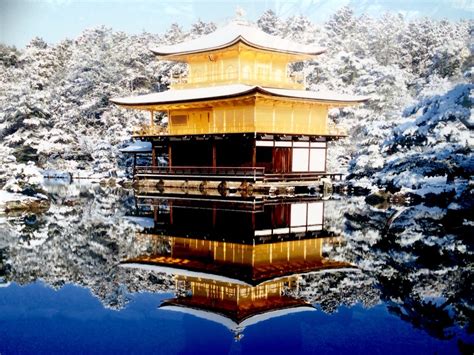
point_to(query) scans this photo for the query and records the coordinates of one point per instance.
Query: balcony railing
(145, 130)
(226, 173)
(201, 172)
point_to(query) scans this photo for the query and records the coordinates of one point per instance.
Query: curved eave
(271, 93)
(175, 55)
(328, 101)
(230, 323)
(143, 105)
(176, 271)
(199, 271)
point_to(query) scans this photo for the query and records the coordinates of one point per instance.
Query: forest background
(414, 136)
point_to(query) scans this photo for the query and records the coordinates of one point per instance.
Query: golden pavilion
(238, 114)
(237, 267)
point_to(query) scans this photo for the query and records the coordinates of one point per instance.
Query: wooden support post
(169, 155)
(214, 216)
(153, 156)
(274, 160)
(214, 155)
(152, 113)
(254, 153)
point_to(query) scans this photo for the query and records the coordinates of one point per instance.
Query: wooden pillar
(254, 154)
(153, 156)
(214, 216)
(152, 123)
(169, 155)
(214, 155)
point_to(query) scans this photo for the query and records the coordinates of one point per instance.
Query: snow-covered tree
(54, 99)
(270, 23)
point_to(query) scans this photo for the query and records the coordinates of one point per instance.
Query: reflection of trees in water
(80, 240)
(4, 266)
(421, 262)
(413, 264)
(331, 290)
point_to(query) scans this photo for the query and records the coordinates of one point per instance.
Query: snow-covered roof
(235, 90)
(137, 147)
(231, 34)
(231, 324)
(145, 222)
(170, 270)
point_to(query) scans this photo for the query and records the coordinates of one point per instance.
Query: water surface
(104, 271)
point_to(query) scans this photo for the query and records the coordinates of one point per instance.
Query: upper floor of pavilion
(238, 53)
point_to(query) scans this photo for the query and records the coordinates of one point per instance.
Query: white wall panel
(300, 160)
(318, 144)
(264, 143)
(317, 160)
(315, 212)
(298, 214)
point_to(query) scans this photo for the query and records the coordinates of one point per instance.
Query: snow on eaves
(137, 147)
(144, 222)
(235, 90)
(233, 33)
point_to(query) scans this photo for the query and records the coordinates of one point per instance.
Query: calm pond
(106, 270)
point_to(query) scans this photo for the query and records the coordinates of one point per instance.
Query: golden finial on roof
(240, 14)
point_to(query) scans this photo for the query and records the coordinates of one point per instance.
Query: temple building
(233, 265)
(238, 113)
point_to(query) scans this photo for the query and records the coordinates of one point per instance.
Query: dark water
(106, 272)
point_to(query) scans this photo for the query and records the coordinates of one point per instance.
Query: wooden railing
(147, 130)
(204, 172)
(302, 176)
(227, 173)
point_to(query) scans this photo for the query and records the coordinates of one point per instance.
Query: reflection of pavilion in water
(236, 266)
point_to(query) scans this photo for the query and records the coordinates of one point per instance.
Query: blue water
(37, 319)
(400, 280)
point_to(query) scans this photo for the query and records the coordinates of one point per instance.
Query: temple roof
(233, 33)
(234, 273)
(235, 90)
(173, 271)
(229, 320)
(137, 147)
